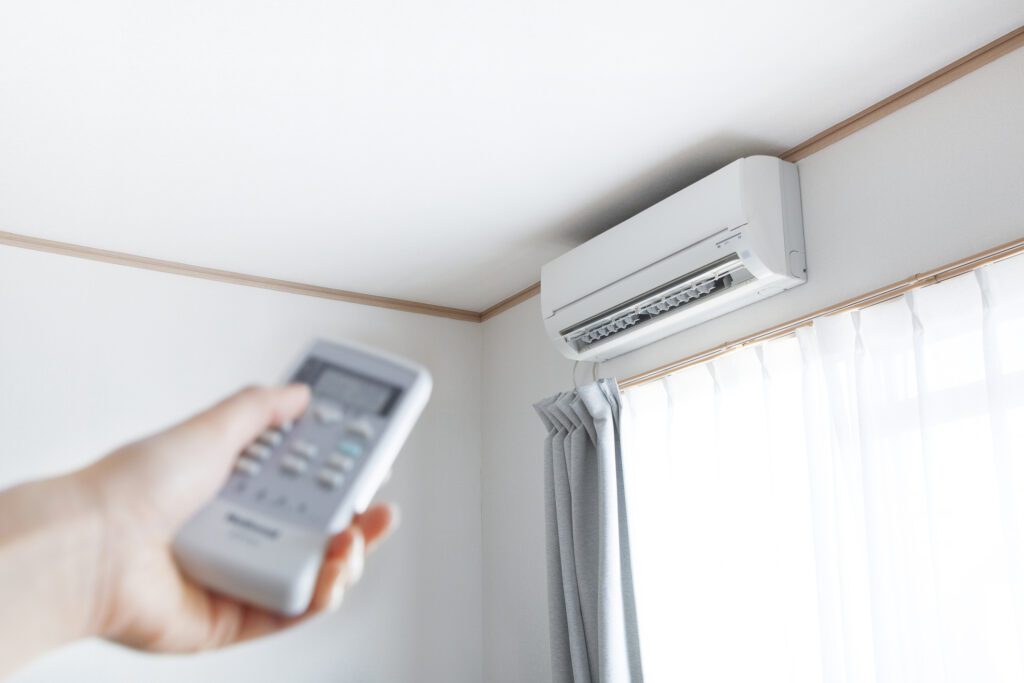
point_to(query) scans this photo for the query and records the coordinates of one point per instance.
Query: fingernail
(356, 558)
(337, 595)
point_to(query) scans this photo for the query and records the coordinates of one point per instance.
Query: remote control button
(287, 426)
(361, 428)
(332, 479)
(293, 465)
(304, 448)
(248, 467)
(341, 462)
(271, 437)
(327, 414)
(259, 451)
(351, 448)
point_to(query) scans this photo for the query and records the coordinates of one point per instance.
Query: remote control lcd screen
(355, 392)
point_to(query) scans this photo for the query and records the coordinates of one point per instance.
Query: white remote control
(263, 538)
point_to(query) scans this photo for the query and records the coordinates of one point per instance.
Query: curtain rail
(931, 277)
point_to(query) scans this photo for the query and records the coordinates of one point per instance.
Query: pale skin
(88, 553)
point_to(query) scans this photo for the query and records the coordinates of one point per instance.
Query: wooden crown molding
(176, 268)
(913, 92)
(930, 83)
(514, 300)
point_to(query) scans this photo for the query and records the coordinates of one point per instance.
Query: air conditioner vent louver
(713, 278)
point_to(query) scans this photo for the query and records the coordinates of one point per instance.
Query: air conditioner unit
(726, 241)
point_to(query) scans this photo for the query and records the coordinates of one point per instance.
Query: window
(846, 504)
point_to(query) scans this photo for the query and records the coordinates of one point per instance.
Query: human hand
(116, 520)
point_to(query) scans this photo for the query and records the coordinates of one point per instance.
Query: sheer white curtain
(843, 505)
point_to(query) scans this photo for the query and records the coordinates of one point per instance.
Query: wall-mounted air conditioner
(726, 241)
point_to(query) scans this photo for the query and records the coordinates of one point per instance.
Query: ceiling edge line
(177, 268)
(986, 54)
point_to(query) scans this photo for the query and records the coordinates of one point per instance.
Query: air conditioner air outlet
(672, 298)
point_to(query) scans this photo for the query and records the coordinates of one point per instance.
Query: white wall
(936, 181)
(92, 355)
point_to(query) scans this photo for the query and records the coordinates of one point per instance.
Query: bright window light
(846, 504)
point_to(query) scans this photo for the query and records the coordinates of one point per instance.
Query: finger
(206, 444)
(376, 524)
(228, 621)
(235, 622)
(204, 621)
(239, 419)
(340, 569)
(344, 558)
(212, 440)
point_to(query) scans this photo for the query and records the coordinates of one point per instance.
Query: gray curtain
(590, 586)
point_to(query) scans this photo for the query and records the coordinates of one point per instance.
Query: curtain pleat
(590, 594)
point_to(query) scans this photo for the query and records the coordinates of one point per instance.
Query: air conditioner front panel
(633, 285)
(710, 206)
(652, 277)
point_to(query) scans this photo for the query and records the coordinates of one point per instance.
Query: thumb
(174, 472)
(237, 420)
(211, 441)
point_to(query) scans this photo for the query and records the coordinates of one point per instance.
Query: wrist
(50, 567)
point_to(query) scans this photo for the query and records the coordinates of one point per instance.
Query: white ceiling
(437, 151)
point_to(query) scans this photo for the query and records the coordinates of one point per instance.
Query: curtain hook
(574, 385)
(593, 371)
